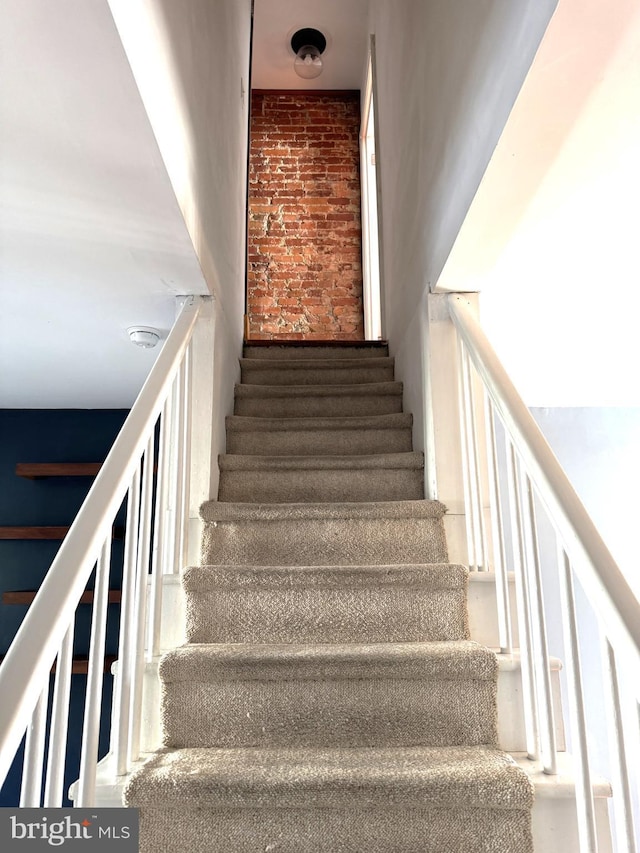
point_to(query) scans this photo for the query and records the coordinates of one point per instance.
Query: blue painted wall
(48, 435)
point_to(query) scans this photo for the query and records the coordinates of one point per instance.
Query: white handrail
(606, 586)
(30, 657)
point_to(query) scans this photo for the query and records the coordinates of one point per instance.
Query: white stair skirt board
(554, 816)
(173, 613)
(483, 609)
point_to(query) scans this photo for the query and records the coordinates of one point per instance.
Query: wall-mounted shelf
(33, 532)
(43, 533)
(40, 470)
(80, 666)
(26, 596)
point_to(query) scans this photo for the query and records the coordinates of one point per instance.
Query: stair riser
(329, 712)
(278, 375)
(310, 406)
(326, 616)
(511, 730)
(223, 615)
(324, 542)
(378, 830)
(320, 486)
(324, 442)
(314, 353)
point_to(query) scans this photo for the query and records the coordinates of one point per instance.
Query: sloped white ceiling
(91, 237)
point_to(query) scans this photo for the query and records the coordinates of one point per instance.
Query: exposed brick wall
(305, 254)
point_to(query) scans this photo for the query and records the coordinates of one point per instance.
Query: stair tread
(312, 350)
(216, 511)
(246, 423)
(205, 778)
(441, 576)
(317, 363)
(361, 389)
(445, 661)
(242, 462)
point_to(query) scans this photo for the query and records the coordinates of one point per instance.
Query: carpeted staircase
(328, 699)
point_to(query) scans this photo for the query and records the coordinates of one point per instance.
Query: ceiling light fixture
(143, 336)
(308, 45)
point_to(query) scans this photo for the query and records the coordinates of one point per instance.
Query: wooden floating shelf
(33, 532)
(80, 666)
(44, 533)
(39, 470)
(26, 596)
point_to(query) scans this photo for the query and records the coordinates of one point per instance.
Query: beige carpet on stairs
(329, 699)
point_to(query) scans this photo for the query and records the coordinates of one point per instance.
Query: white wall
(92, 240)
(191, 63)
(448, 72)
(550, 239)
(190, 60)
(599, 448)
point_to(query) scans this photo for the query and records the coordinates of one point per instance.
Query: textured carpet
(328, 699)
(326, 604)
(319, 436)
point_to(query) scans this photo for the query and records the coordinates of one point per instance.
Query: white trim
(370, 187)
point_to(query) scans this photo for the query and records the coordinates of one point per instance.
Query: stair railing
(534, 481)
(155, 544)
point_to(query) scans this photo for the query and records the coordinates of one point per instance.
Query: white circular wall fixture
(143, 336)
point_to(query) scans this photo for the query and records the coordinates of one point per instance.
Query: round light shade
(308, 62)
(308, 45)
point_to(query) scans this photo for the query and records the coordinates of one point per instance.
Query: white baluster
(177, 463)
(580, 746)
(499, 552)
(186, 460)
(54, 784)
(542, 669)
(523, 607)
(127, 634)
(95, 679)
(31, 791)
(623, 809)
(465, 428)
(474, 469)
(144, 553)
(160, 543)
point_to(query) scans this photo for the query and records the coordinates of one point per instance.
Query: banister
(37, 642)
(609, 592)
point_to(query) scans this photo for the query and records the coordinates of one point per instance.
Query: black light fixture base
(308, 36)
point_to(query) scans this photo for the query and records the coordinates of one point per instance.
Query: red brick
(304, 217)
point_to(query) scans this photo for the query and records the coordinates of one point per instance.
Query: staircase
(328, 697)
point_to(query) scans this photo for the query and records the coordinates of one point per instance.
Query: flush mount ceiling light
(308, 45)
(143, 336)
